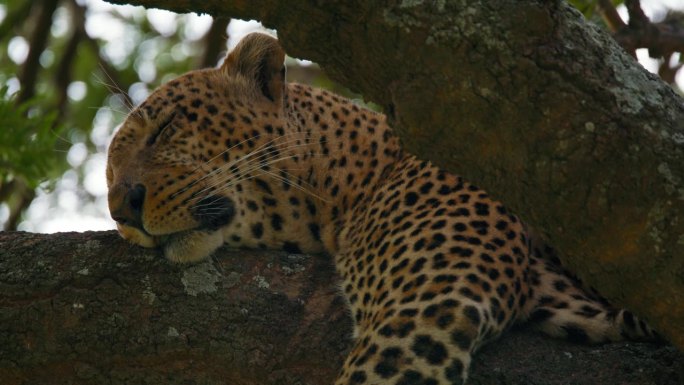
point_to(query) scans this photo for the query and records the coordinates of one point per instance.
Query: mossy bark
(532, 103)
(91, 309)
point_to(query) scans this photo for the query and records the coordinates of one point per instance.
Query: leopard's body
(430, 265)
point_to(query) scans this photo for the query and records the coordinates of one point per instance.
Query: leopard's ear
(259, 59)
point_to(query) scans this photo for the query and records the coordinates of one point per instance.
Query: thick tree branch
(92, 309)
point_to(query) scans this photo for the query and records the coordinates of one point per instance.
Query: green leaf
(27, 142)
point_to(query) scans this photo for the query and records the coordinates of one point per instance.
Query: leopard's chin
(182, 247)
(190, 246)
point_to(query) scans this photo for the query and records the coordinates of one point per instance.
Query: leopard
(430, 266)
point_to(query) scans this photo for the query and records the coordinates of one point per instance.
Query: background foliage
(71, 69)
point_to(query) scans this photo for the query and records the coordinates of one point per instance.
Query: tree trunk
(91, 309)
(526, 99)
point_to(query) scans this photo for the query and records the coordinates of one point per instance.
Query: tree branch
(661, 39)
(15, 18)
(63, 74)
(637, 17)
(37, 43)
(214, 42)
(610, 15)
(22, 196)
(91, 309)
(668, 72)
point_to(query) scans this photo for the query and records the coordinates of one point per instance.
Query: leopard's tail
(561, 306)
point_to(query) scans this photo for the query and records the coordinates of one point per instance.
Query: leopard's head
(169, 173)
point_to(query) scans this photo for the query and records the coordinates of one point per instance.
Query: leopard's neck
(348, 150)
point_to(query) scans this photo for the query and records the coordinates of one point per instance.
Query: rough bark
(91, 309)
(532, 103)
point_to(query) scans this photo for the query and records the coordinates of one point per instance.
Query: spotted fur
(432, 267)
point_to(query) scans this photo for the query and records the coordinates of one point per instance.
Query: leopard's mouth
(210, 213)
(140, 236)
(182, 246)
(188, 245)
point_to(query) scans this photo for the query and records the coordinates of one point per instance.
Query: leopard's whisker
(227, 182)
(251, 164)
(231, 164)
(296, 186)
(231, 183)
(260, 164)
(112, 85)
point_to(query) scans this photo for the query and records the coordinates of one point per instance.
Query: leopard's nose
(126, 204)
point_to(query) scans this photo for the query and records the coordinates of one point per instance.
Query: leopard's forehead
(191, 91)
(203, 110)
